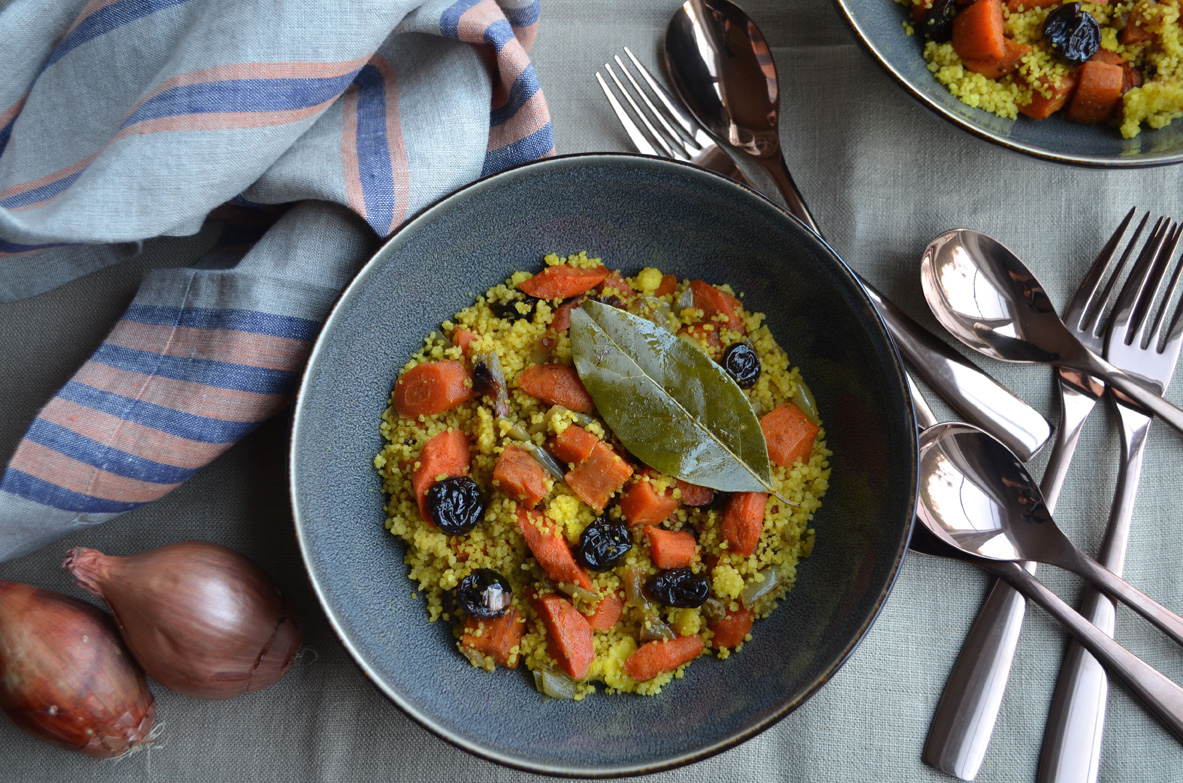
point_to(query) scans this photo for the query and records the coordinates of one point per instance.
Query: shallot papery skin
(65, 676)
(200, 618)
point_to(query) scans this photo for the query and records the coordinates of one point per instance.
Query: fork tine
(680, 115)
(669, 153)
(1174, 332)
(691, 149)
(1132, 304)
(640, 143)
(1092, 310)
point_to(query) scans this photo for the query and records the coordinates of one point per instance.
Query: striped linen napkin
(305, 130)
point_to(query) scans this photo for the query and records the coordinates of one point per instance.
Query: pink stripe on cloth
(9, 114)
(256, 350)
(531, 118)
(24, 187)
(474, 21)
(221, 121)
(91, 8)
(55, 468)
(526, 35)
(187, 396)
(394, 141)
(349, 159)
(128, 436)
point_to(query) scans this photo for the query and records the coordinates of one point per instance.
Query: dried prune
(1072, 33)
(680, 588)
(937, 24)
(742, 364)
(604, 543)
(484, 593)
(509, 311)
(455, 504)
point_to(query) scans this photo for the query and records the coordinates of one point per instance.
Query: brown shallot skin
(65, 676)
(200, 618)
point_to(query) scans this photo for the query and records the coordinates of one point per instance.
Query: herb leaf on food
(669, 404)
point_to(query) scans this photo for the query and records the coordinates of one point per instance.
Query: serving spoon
(988, 299)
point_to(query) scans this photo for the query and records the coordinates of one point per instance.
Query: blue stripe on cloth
(14, 247)
(207, 372)
(107, 19)
(241, 96)
(102, 456)
(23, 485)
(523, 150)
(173, 422)
(373, 150)
(255, 321)
(499, 34)
(6, 134)
(524, 16)
(42, 193)
(523, 89)
(450, 18)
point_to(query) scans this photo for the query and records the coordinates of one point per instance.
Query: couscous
(535, 533)
(1119, 63)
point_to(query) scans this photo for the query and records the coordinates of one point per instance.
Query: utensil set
(977, 501)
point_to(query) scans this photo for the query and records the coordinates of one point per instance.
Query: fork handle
(1092, 364)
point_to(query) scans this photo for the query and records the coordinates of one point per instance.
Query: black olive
(937, 24)
(455, 504)
(742, 364)
(604, 543)
(509, 310)
(484, 593)
(1073, 34)
(679, 587)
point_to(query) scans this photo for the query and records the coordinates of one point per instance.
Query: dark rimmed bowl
(634, 212)
(877, 24)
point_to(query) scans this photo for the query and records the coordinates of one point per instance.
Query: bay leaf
(670, 405)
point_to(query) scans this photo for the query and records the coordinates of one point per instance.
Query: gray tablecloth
(883, 176)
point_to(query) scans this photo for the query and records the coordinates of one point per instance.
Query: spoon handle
(1163, 697)
(776, 167)
(1113, 585)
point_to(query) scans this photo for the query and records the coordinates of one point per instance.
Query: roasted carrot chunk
(568, 635)
(714, 302)
(607, 613)
(743, 521)
(978, 32)
(1097, 93)
(789, 434)
(443, 456)
(653, 658)
(561, 321)
(1008, 63)
(563, 281)
(615, 285)
(732, 629)
(432, 387)
(497, 638)
(556, 384)
(1135, 31)
(643, 504)
(599, 477)
(463, 339)
(519, 476)
(669, 283)
(670, 548)
(1043, 106)
(573, 444)
(550, 550)
(1131, 77)
(694, 495)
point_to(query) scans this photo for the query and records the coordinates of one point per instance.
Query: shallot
(65, 676)
(201, 619)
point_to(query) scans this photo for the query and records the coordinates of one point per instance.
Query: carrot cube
(596, 479)
(789, 434)
(432, 387)
(642, 504)
(732, 629)
(550, 550)
(556, 384)
(444, 455)
(1097, 93)
(519, 476)
(714, 302)
(568, 635)
(497, 638)
(743, 521)
(671, 548)
(978, 32)
(563, 281)
(573, 444)
(653, 658)
(607, 613)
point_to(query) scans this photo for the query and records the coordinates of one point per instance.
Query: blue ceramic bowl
(877, 25)
(634, 212)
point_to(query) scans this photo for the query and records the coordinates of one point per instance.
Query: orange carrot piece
(1097, 93)
(568, 635)
(498, 637)
(694, 495)
(1008, 63)
(705, 335)
(518, 475)
(561, 321)
(978, 32)
(732, 629)
(743, 521)
(789, 434)
(444, 455)
(563, 282)
(607, 613)
(573, 445)
(1041, 106)
(599, 477)
(615, 285)
(1134, 32)
(556, 384)
(713, 302)
(669, 284)
(642, 504)
(1131, 76)
(550, 550)
(463, 339)
(653, 658)
(670, 548)
(432, 387)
